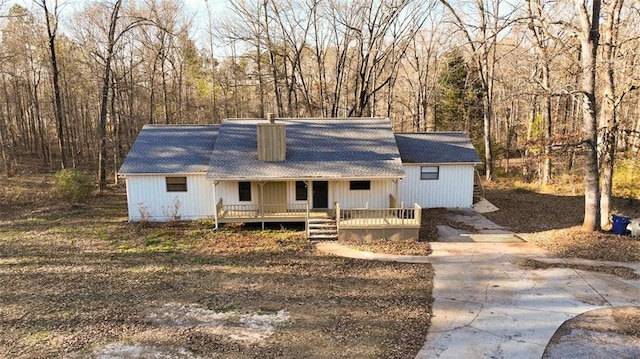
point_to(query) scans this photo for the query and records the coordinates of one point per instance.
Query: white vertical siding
(147, 196)
(377, 196)
(453, 189)
(228, 191)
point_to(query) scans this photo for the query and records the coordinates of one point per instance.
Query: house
(439, 169)
(343, 177)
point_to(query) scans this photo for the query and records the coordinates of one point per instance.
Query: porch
(343, 223)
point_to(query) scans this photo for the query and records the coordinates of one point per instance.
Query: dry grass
(76, 279)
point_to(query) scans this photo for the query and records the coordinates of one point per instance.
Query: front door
(320, 194)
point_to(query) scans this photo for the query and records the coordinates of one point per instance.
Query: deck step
(322, 228)
(323, 237)
(477, 193)
(322, 220)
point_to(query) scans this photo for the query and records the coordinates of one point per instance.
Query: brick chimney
(272, 140)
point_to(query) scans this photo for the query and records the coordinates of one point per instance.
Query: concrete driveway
(487, 305)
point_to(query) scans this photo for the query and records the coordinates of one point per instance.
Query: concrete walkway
(487, 305)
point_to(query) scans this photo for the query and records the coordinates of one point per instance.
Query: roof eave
(442, 163)
(274, 179)
(125, 174)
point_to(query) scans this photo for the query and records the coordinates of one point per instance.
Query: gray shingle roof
(436, 147)
(316, 148)
(171, 149)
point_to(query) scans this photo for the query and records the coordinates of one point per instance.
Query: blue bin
(620, 224)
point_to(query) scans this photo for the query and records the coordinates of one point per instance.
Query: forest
(543, 87)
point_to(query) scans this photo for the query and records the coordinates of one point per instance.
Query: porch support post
(261, 204)
(397, 184)
(309, 194)
(215, 204)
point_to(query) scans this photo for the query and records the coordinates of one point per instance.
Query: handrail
(306, 222)
(219, 206)
(260, 210)
(336, 206)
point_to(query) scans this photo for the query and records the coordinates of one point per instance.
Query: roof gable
(171, 149)
(436, 147)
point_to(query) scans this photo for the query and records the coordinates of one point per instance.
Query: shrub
(72, 185)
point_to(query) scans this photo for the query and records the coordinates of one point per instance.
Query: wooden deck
(400, 223)
(379, 217)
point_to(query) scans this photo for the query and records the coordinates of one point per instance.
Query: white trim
(280, 179)
(163, 174)
(439, 163)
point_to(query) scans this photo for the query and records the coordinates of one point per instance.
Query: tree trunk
(546, 170)
(488, 143)
(102, 129)
(52, 29)
(589, 46)
(608, 119)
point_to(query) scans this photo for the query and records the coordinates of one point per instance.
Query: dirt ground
(79, 282)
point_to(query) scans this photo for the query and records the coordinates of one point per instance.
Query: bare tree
(51, 20)
(100, 40)
(608, 107)
(102, 128)
(542, 43)
(383, 33)
(482, 39)
(589, 36)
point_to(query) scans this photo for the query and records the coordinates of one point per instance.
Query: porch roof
(316, 148)
(171, 149)
(436, 147)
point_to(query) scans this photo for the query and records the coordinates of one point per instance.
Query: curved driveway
(487, 305)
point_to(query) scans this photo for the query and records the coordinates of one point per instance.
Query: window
(244, 191)
(301, 191)
(360, 185)
(429, 172)
(176, 184)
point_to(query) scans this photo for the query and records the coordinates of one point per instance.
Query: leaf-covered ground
(78, 281)
(553, 221)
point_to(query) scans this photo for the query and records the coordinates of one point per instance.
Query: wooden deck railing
(345, 217)
(260, 210)
(379, 217)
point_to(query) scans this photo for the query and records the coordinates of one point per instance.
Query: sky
(195, 8)
(198, 8)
